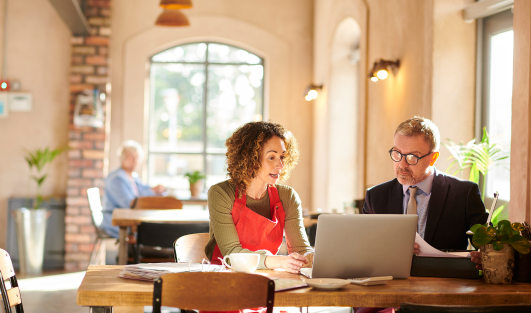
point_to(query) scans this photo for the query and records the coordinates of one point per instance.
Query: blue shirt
(119, 193)
(422, 196)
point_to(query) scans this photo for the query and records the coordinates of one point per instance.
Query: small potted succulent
(497, 244)
(195, 179)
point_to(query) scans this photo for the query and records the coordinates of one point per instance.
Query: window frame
(206, 63)
(484, 30)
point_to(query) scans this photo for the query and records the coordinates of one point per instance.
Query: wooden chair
(191, 248)
(420, 308)
(96, 209)
(10, 297)
(156, 203)
(213, 291)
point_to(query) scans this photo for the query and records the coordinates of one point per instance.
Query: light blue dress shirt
(118, 194)
(423, 199)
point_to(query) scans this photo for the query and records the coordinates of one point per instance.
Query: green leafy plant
(503, 233)
(479, 158)
(194, 177)
(37, 160)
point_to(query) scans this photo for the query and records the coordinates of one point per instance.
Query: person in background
(250, 212)
(123, 184)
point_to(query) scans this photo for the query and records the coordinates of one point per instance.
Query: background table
(125, 218)
(102, 287)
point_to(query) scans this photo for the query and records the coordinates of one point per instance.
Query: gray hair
(127, 147)
(420, 126)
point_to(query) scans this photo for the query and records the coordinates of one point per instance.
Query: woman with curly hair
(250, 212)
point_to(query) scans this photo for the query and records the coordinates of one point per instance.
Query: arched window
(199, 94)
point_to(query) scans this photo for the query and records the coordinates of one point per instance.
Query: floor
(51, 293)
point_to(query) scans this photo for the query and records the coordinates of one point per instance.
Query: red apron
(255, 231)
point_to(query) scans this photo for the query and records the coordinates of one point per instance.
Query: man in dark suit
(446, 205)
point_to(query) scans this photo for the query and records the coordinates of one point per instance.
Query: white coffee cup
(243, 262)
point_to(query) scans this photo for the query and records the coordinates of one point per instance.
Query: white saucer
(326, 283)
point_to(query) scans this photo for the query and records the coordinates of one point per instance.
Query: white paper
(427, 250)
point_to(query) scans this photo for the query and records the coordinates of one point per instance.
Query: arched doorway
(343, 103)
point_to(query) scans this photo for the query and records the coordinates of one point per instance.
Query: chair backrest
(420, 308)
(94, 199)
(11, 298)
(191, 248)
(213, 291)
(157, 203)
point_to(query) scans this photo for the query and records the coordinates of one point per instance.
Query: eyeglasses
(411, 159)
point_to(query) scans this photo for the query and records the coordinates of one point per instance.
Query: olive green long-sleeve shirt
(223, 232)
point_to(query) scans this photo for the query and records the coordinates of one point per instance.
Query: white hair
(127, 147)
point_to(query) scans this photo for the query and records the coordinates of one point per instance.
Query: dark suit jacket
(455, 205)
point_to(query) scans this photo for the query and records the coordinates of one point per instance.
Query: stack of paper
(151, 271)
(428, 251)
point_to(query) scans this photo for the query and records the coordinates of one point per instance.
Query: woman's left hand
(291, 263)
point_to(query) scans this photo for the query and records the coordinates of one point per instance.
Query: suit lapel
(396, 194)
(439, 191)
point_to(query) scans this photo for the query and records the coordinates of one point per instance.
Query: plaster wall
(37, 55)
(329, 15)
(398, 30)
(282, 36)
(453, 80)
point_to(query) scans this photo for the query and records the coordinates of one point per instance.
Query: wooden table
(125, 218)
(102, 288)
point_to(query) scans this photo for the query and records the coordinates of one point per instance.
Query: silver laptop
(364, 245)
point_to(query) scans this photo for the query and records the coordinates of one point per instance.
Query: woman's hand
(291, 263)
(476, 258)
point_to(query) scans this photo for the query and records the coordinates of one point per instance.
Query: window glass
(234, 98)
(199, 94)
(218, 53)
(195, 52)
(500, 100)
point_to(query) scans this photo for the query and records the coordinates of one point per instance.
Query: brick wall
(90, 67)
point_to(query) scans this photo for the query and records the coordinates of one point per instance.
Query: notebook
(364, 245)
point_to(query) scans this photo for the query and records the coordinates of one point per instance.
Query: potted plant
(31, 222)
(497, 244)
(479, 158)
(195, 179)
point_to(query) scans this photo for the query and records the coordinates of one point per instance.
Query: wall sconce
(312, 92)
(381, 69)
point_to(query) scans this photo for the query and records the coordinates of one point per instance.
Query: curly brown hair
(244, 152)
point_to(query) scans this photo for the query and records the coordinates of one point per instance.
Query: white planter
(31, 233)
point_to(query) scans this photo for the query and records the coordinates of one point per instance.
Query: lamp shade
(172, 18)
(175, 4)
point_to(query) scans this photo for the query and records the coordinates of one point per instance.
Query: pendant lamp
(175, 4)
(173, 18)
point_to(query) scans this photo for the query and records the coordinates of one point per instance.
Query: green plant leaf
(482, 237)
(474, 174)
(505, 228)
(195, 176)
(517, 226)
(519, 244)
(476, 226)
(497, 245)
